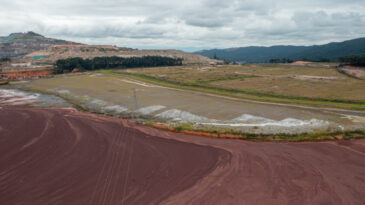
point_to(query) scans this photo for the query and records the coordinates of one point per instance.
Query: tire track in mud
(83, 159)
(277, 173)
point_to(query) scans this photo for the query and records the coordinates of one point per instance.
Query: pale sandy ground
(112, 94)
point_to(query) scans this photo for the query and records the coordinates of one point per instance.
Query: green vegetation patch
(355, 60)
(67, 65)
(190, 128)
(224, 79)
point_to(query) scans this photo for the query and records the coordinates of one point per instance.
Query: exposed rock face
(19, 44)
(53, 53)
(35, 48)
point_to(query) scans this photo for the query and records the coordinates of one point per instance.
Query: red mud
(278, 173)
(60, 156)
(50, 156)
(25, 74)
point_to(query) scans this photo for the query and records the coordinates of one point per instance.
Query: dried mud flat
(61, 156)
(175, 107)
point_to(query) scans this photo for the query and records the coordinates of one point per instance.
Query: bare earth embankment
(62, 156)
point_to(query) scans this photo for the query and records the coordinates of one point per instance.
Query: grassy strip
(247, 94)
(261, 94)
(223, 79)
(231, 134)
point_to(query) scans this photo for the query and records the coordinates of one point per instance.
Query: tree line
(4, 59)
(355, 60)
(67, 65)
(278, 60)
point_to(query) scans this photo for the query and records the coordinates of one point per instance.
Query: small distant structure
(301, 63)
(75, 70)
(21, 64)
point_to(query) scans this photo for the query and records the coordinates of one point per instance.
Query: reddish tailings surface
(25, 74)
(61, 156)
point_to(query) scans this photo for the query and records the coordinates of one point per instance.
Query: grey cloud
(331, 24)
(206, 20)
(189, 23)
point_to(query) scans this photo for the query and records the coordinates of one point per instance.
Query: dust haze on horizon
(189, 25)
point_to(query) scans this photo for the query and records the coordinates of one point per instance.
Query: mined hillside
(52, 53)
(17, 45)
(35, 48)
(31, 53)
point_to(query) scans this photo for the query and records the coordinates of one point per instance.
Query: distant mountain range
(253, 54)
(19, 44)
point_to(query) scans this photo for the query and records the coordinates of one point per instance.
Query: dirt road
(61, 156)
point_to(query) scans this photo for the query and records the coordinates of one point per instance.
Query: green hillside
(327, 52)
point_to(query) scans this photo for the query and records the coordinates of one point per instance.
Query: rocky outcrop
(19, 44)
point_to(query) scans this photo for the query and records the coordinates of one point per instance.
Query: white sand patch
(15, 97)
(150, 109)
(98, 102)
(7, 94)
(288, 122)
(179, 115)
(251, 119)
(114, 109)
(17, 100)
(138, 83)
(341, 127)
(356, 119)
(93, 103)
(63, 91)
(95, 75)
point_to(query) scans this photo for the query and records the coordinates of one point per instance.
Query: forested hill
(327, 52)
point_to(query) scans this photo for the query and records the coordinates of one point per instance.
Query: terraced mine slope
(53, 53)
(19, 44)
(30, 55)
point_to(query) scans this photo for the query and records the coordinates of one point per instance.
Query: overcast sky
(187, 24)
